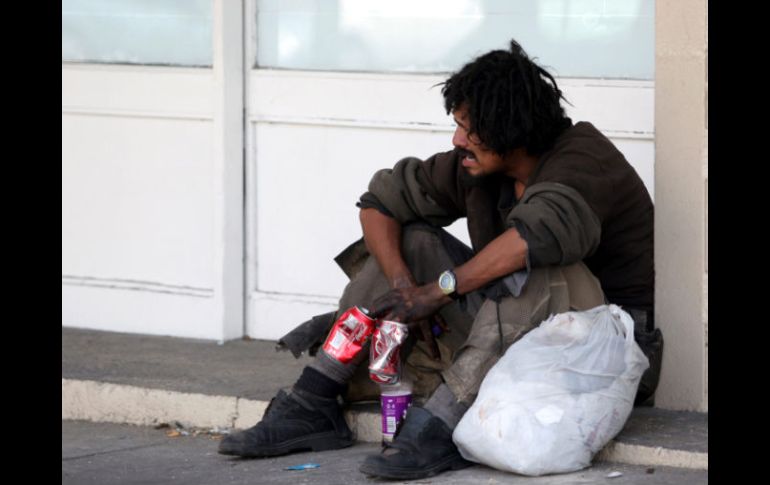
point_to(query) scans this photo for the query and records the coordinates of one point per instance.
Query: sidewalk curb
(116, 403)
(652, 456)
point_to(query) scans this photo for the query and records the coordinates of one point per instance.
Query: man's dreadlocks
(510, 101)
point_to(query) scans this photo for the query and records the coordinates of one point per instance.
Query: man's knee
(418, 234)
(423, 251)
(585, 291)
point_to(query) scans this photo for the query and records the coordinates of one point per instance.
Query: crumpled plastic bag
(557, 396)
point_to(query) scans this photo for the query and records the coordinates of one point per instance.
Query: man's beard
(466, 178)
(469, 180)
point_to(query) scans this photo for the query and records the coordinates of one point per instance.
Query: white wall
(144, 188)
(681, 241)
(152, 193)
(315, 139)
(137, 217)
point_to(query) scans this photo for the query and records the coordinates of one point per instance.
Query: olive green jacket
(583, 201)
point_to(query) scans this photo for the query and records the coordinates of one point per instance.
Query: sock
(336, 370)
(316, 383)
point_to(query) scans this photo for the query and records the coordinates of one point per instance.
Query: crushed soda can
(349, 334)
(384, 354)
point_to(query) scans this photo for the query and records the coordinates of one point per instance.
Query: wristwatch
(447, 282)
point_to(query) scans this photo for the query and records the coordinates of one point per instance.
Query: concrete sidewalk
(99, 453)
(147, 380)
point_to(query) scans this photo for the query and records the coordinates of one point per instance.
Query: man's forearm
(382, 235)
(504, 255)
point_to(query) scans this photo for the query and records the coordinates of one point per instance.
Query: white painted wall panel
(139, 193)
(618, 108)
(136, 199)
(641, 155)
(305, 169)
(306, 193)
(307, 180)
(325, 96)
(320, 198)
(160, 91)
(146, 312)
(277, 313)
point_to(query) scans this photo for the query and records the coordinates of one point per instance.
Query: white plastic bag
(557, 396)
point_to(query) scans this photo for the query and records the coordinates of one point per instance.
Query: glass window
(573, 38)
(167, 32)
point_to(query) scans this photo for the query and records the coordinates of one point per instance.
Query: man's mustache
(462, 152)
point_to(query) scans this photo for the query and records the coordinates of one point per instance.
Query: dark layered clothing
(583, 202)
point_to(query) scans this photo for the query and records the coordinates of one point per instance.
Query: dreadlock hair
(510, 101)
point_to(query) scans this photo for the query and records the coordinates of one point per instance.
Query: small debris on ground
(614, 475)
(177, 429)
(650, 471)
(304, 466)
(216, 430)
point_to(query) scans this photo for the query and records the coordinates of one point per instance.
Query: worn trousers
(480, 329)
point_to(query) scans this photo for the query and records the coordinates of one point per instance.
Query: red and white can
(384, 354)
(349, 334)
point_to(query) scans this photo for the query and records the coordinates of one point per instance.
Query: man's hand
(416, 306)
(410, 305)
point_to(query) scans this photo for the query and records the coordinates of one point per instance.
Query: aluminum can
(384, 353)
(349, 334)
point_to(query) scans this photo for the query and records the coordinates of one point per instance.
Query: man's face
(479, 160)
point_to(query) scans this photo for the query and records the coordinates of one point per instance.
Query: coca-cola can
(384, 354)
(349, 334)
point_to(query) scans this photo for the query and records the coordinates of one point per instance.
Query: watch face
(447, 282)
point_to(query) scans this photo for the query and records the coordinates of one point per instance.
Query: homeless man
(558, 219)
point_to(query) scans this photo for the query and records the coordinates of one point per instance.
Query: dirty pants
(480, 329)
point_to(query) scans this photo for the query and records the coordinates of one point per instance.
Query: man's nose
(459, 139)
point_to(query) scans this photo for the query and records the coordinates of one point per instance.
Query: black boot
(298, 421)
(422, 448)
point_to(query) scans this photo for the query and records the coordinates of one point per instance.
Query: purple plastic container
(395, 402)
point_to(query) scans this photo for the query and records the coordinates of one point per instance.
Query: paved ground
(100, 453)
(252, 369)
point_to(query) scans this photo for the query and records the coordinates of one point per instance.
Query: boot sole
(453, 462)
(316, 442)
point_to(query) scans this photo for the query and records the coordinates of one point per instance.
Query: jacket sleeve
(415, 190)
(558, 224)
